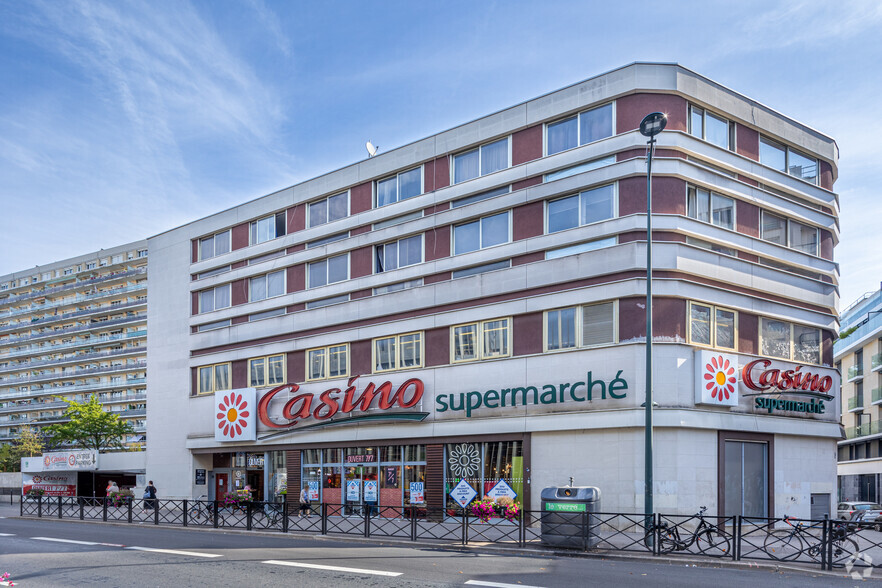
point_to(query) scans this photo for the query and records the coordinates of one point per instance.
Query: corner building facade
(472, 306)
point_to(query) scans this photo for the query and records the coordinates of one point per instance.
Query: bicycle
(788, 544)
(710, 539)
(203, 513)
(269, 516)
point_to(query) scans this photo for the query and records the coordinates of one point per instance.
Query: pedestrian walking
(150, 496)
(304, 501)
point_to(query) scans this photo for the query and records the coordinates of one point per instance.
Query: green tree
(89, 426)
(29, 442)
(9, 461)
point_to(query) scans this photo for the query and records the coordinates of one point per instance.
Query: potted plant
(121, 498)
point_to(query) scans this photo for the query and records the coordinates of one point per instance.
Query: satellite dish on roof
(371, 149)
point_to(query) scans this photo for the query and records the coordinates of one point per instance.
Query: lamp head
(653, 123)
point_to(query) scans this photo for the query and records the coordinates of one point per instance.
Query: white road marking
(174, 551)
(7, 534)
(498, 584)
(64, 540)
(331, 568)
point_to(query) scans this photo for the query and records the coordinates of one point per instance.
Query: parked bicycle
(789, 543)
(202, 513)
(269, 516)
(709, 539)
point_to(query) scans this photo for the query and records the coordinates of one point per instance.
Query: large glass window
(266, 371)
(709, 207)
(328, 209)
(213, 378)
(790, 233)
(774, 228)
(399, 352)
(212, 246)
(788, 160)
(482, 233)
(267, 286)
(482, 340)
(790, 341)
(327, 362)
(580, 209)
(483, 465)
(400, 187)
(267, 229)
(712, 326)
(481, 161)
(580, 326)
(711, 128)
(328, 271)
(214, 298)
(401, 253)
(803, 238)
(587, 127)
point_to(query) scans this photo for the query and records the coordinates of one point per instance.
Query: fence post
(82, 505)
(215, 514)
(413, 525)
(522, 531)
(155, 511)
(285, 514)
(59, 506)
(656, 533)
(827, 544)
(324, 518)
(186, 513)
(40, 506)
(248, 516)
(736, 539)
(104, 510)
(129, 503)
(20, 506)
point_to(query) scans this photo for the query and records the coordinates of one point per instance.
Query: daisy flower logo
(717, 378)
(234, 416)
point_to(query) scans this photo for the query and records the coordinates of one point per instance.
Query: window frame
(397, 178)
(578, 195)
(265, 278)
(731, 127)
(694, 189)
(199, 392)
(787, 149)
(479, 335)
(713, 326)
(326, 200)
(215, 307)
(253, 231)
(579, 326)
(788, 232)
(214, 238)
(479, 220)
(480, 150)
(397, 243)
(398, 367)
(792, 328)
(578, 116)
(265, 360)
(326, 362)
(325, 260)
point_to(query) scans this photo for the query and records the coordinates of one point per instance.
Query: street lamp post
(651, 125)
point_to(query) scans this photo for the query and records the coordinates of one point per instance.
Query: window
(401, 187)
(267, 286)
(213, 377)
(327, 362)
(482, 340)
(580, 248)
(267, 229)
(328, 271)
(401, 253)
(587, 207)
(580, 168)
(329, 209)
(399, 352)
(89, 266)
(482, 233)
(587, 127)
(214, 298)
(787, 160)
(212, 246)
(481, 161)
(709, 207)
(789, 341)
(580, 326)
(712, 326)
(790, 233)
(266, 371)
(711, 128)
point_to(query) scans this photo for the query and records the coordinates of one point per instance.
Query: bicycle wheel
(195, 516)
(844, 550)
(783, 544)
(714, 543)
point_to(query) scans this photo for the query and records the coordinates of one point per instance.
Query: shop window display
(483, 465)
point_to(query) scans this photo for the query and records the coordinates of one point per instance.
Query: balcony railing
(876, 395)
(855, 371)
(876, 362)
(863, 430)
(75, 373)
(67, 315)
(66, 389)
(74, 286)
(73, 358)
(102, 398)
(855, 402)
(40, 350)
(77, 328)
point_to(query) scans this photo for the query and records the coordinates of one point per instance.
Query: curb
(479, 547)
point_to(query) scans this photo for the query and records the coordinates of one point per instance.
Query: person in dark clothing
(150, 496)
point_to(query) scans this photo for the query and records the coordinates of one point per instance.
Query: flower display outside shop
(502, 507)
(121, 498)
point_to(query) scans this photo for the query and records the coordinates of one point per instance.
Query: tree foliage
(89, 426)
(29, 442)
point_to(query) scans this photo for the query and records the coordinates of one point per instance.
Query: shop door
(361, 489)
(221, 485)
(747, 478)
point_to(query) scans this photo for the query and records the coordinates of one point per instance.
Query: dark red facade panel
(240, 238)
(437, 346)
(239, 264)
(360, 357)
(238, 320)
(361, 262)
(748, 333)
(239, 292)
(296, 218)
(826, 244)
(295, 278)
(435, 278)
(747, 218)
(360, 230)
(528, 258)
(526, 145)
(436, 209)
(296, 366)
(529, 221)
(361, 198)
(668, 195)
(355, 295)
(194, 303)
(826, 178)
(534, 181)
(441, 173)
(438, 242)
(194, 250)
(240, 373)
(527, 334)
(668, 318)
(746, 142)
(631, 109)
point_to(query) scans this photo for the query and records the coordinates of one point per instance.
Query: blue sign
(463, 493)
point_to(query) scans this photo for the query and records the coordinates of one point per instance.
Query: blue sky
(119, 120)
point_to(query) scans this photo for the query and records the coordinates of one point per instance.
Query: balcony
(140, 364)
(36, 321)
(876, 395)
(90, 342)
(855, 371)
(855, 403)
(863, 430)
(74, 286)
(876, 362)
(56, 390)
(137, 316)
(77, 358)
(103, 398)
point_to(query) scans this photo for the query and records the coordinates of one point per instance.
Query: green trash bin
(568, 516)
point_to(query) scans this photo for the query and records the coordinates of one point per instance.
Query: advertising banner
(417, 494)
(353, 490)
(52, 484)
(78, 460)
(370, 491)
(313, 491)
(234, 415)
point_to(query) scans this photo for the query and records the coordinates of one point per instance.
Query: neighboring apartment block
(471, 306)
(858, 355)
(72, 329)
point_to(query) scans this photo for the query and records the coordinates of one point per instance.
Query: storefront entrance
(362, 489)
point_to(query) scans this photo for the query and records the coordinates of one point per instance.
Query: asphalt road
(58, 553)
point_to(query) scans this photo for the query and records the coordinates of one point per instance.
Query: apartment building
(471, 306)
(72, 329)
(858, 356)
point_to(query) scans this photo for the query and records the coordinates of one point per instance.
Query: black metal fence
(826, 544)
